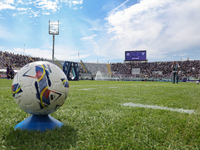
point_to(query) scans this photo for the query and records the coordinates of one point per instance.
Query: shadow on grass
(62, 138)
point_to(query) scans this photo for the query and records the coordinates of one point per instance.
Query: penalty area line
(159, 107)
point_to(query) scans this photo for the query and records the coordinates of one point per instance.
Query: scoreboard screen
(135, 55)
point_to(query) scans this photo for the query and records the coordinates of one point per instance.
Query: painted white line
(159, 107)
(87, 89)
(5, 87)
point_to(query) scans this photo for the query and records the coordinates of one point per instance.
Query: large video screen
(135, 55)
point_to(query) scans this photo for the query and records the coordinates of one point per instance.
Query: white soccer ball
(40, 88)
(197, 82)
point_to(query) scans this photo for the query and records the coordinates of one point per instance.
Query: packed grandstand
(189, 69)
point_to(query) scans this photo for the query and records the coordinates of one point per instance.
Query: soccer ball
(197, 82)
(40, 88)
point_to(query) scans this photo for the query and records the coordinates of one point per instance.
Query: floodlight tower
(53, 30)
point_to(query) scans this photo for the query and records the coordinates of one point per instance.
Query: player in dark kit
(175, 70)
(11, 73)
(7, 72)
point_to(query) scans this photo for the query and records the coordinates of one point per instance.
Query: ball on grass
(40, 88)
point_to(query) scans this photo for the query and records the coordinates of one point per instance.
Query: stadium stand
(157, 69)
(93, 67)
(147, 70)
(90, 69)
(84, 67)
(15, 60)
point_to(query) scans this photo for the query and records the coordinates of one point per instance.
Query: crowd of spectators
(148, 69)
(15, 60)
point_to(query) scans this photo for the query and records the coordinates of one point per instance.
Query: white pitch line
(87, 89)
(159, 107)
(5, 88)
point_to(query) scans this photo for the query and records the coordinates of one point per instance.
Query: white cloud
(88, 38)
(6, 6)
(9, 1)
(45, 4)
(72, 2)
(22, 9)
(34, 52)
(45, 13)
(95, 24)
(20, 2)
(29, 3)
(14, 15)
(156, 25)
(77, 2)
(34, 13)
(62, 52)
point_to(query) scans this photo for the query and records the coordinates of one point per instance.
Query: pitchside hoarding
(135, 55)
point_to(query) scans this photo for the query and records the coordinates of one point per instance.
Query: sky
(102, 30)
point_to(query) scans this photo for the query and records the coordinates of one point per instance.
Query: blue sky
(103, 29)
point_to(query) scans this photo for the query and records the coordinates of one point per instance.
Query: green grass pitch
(94, 117)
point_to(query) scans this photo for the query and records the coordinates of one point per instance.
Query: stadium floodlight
(54, 27)
(53, 30)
